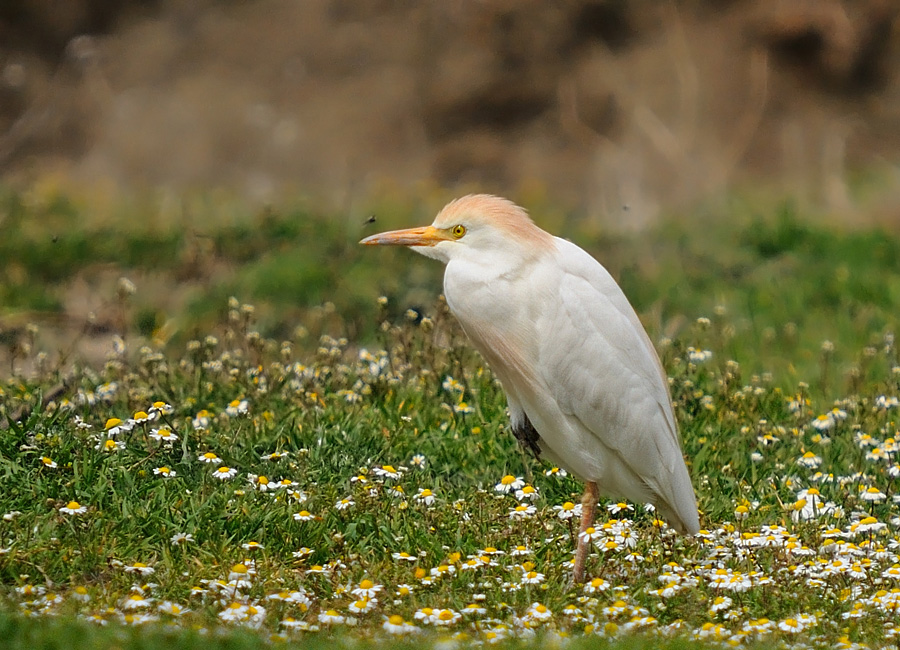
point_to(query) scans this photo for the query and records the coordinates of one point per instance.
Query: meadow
(288, 440)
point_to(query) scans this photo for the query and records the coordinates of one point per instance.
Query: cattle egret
(585, 387)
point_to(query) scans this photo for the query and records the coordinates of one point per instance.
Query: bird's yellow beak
(424, 236)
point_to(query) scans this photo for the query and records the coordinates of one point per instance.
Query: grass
(388, 411)
(788, 281)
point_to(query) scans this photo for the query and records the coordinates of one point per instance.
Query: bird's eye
(458, 231)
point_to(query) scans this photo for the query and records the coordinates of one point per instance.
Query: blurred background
(600, 103)
(201, 147)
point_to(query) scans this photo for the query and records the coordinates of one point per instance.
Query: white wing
(597, 362)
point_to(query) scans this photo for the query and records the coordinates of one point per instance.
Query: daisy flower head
(164, 471)
(595, 586)
(568, 510)
(209, 457)
(31, 591)
(172, 609)
(809, 459)
(532, 578)
(538, 612)
(590, 534)
(304, 515)
(797, 623)
(137, 618)
(81, 594)
(297, 496)
(160, 407)
(522, 511)
(445, 617)
(878, 453)
(442, 570)
(252, 546)
(527, 492)
(720, 604)
(344, 504)
(885, 402)
(367, 589)
(107, 391)
(424, 495)
(509, 483)
(864, 440)
(224, 473)
(387, 471)
(555, 471)
(242, 571)
(490, 550)
(233, 612)
(245, 614)
(610, 545)
(109, 445)
(141, 417)
(396, 625)
(823, 422)
(452, 386)
(201, 421)
(332, 617)
(298, 596)
(418, 461)
(135, 601)
(616, 508)
(424, 614)
(48, 462)
(810, 505)
(261, 483)
(179, 539)
(696, 355)
(867, 525)
(362, 606)
(237, 407)
(872, 494)
(115, 426)
(164, 434)
(403, 556)
(73, 508)
(140, 568)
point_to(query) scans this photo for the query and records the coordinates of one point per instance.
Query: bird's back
(575, 360)
(605, 375)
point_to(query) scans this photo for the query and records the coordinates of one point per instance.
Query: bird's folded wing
(601, 368)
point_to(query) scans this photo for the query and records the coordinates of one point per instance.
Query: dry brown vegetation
(598, 104)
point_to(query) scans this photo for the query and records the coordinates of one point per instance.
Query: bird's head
(474, 225)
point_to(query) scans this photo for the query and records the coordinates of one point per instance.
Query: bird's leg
(588, 512)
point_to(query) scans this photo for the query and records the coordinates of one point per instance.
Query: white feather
(573, 357)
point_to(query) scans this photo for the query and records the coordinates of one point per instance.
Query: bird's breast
(499, 312)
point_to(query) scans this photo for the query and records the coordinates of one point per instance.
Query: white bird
(584, 384)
